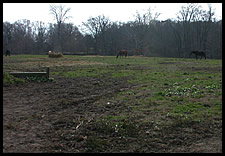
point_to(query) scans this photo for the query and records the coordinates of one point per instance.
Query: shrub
(9, 79)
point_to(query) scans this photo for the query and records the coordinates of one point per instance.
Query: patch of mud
(60, 63)
(39, 65)
(210, 145)
(36, 116)
(64, 116)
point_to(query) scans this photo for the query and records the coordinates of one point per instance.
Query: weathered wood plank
(31, 74)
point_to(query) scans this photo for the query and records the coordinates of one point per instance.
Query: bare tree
(60, 15)
(93, 28)
(97, 26)
(185, 16)
(142, 29)
(7, 29)
(40, 36)
(104, 24)
(207, 25)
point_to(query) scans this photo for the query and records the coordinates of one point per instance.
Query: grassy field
(166, 105)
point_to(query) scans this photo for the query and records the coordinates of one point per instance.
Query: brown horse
(198, 53)
(122, 53)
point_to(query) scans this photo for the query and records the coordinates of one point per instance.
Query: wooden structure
(31, 74)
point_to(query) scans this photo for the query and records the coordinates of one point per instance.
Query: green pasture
(184, 86)
(164, 92)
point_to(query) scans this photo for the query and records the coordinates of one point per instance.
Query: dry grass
(54, 55)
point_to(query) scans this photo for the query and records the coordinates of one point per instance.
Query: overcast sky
(80, 12)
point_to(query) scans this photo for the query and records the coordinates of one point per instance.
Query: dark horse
(7, 53)
(198, 53)
(122, 53)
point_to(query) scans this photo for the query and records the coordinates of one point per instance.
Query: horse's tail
(117, 56)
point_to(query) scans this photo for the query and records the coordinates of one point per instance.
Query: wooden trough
(31, 74)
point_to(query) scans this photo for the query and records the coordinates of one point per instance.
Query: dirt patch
(35, 115)
(66, 116)
(211, 145)
(59, 63)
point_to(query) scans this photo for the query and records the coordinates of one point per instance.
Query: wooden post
(47, 72)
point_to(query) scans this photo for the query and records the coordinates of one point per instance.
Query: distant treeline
(100, 35)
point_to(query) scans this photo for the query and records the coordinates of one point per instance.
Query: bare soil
(35, 115)
(64, 116)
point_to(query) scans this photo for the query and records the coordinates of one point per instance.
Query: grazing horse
(198, 53)
(122, 53)
(7, 53)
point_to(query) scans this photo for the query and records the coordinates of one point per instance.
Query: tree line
(194, 29)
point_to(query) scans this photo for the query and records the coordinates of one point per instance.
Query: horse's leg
(117, 55)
